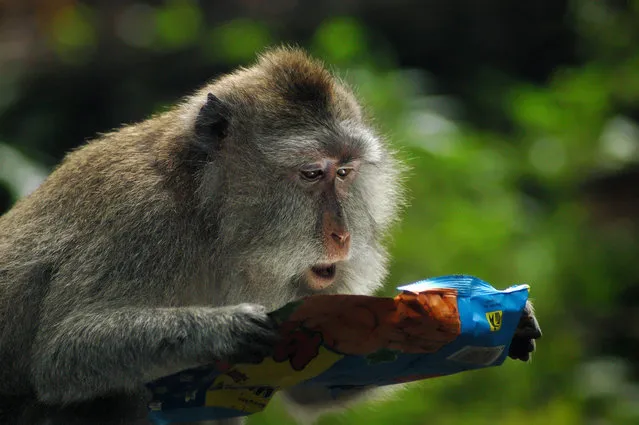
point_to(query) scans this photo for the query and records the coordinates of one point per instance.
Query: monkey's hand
(528, 330)
(251, 336)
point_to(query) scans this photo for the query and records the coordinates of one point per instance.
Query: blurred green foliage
(237, 41)
(506, 206)
(178, 23)
(73, 34)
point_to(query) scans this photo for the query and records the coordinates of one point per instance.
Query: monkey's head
(303, 188)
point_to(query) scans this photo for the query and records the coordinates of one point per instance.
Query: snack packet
(435, 327)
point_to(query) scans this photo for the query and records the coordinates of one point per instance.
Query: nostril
(340, 238)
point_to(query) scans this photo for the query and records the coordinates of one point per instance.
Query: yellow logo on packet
(249, 387)
(494, 320)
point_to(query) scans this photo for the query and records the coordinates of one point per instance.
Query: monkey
(162, 245)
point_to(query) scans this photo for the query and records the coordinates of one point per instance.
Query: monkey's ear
(212, 121)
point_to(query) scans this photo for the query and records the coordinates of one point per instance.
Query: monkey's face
(313, 212)
(327, 182)
(303, 189)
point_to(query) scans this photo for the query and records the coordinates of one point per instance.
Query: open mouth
(324, 271)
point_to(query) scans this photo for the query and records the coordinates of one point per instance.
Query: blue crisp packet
(436, 327)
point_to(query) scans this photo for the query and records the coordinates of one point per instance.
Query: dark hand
(528, 330)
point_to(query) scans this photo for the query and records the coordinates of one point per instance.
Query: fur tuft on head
(297, 77)
(284, 80)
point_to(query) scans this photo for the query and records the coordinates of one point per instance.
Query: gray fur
(144, 253)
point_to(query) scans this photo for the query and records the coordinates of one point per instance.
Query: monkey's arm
(93, 353)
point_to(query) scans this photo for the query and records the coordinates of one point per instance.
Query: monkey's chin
(321, 276)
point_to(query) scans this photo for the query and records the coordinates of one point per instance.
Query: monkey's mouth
(321, 275)
(324, 271)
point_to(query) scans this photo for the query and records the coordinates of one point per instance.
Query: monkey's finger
(266, 339)
(520, 348)
(529, 332)
(265, 323)
(524, 357)
(536, 328)
(529, 320)
(528, 328)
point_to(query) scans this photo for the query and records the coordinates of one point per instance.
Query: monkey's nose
(341, 238)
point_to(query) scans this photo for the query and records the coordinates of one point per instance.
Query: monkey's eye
(312, 174)
(343, 172)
